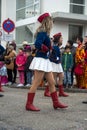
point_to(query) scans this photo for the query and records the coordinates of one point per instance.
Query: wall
(54, 6)
(85, 7)
(0, 11)
(61, 27)
(22, 33)
(85, 30)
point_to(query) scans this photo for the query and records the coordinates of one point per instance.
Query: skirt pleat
(41, 64)
(57, 67)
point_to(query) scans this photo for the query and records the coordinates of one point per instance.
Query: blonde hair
(45, 26)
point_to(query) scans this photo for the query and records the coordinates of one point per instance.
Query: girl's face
(67, 44)
(9, 49)
(60, 41)
(67, 50)
(28, 53)
(20, 51)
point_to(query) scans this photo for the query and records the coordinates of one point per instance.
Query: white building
(70, 17)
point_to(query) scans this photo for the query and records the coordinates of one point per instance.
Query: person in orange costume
(79, 59)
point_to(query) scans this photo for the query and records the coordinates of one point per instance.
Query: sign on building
(8, 25)
(8, 37)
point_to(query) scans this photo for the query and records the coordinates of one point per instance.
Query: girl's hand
(19, 65)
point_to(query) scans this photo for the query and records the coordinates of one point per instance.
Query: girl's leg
(14, 73)
(10, 77)
(29, 77)
(56, 104)
(47, 92)
(38, 76)
(50, 78)
(65, 78)
(61, 77)
(60, 85)
(4, 79)
(1, 90)
(55, 78)
(19, 76)
(69, 78)
(22, 77)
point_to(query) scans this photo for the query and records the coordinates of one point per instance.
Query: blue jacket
(42, 38)
(55, 55)
(67, 61)
(1, 49)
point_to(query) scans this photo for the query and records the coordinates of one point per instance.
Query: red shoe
(47, 93)
(29, 104)
(61, 91)
(1, 90)
(56, 103)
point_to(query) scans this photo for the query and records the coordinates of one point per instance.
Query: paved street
(13, 115)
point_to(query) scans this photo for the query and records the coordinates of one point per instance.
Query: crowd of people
(45, 62)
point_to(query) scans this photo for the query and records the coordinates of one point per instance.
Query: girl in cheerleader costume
(42, 65)
(55, 58)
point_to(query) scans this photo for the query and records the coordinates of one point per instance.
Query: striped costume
(79, 58)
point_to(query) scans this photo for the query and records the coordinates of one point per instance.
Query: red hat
(42, 17)
(57, 35)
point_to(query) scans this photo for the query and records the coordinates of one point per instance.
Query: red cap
(42, 17)
(57, 34)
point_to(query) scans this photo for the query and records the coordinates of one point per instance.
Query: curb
(71, 90)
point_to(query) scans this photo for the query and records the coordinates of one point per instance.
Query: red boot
(56, 103)
(1, 90)
(61, 91)
(47, 93)
(29, 104)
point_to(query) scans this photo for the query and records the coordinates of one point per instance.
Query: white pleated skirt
(57, 67)
(41, 64)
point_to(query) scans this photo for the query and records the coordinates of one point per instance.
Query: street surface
(13, 115)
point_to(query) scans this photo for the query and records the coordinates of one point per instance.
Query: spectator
(3, 74)
(67, 63)
(79, 60)
(73, 51)
(2, 50)
(20, 62)
(9, 61)
(13, 43)
(29, 73)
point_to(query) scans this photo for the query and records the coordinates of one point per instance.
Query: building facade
(70, 17)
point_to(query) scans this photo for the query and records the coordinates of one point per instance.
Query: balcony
(70, 17)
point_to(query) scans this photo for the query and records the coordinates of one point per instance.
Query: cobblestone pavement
(13, 115)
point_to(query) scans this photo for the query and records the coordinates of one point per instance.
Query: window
(74, 31)
(27, 8)
(25, 33)
(77, 6)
